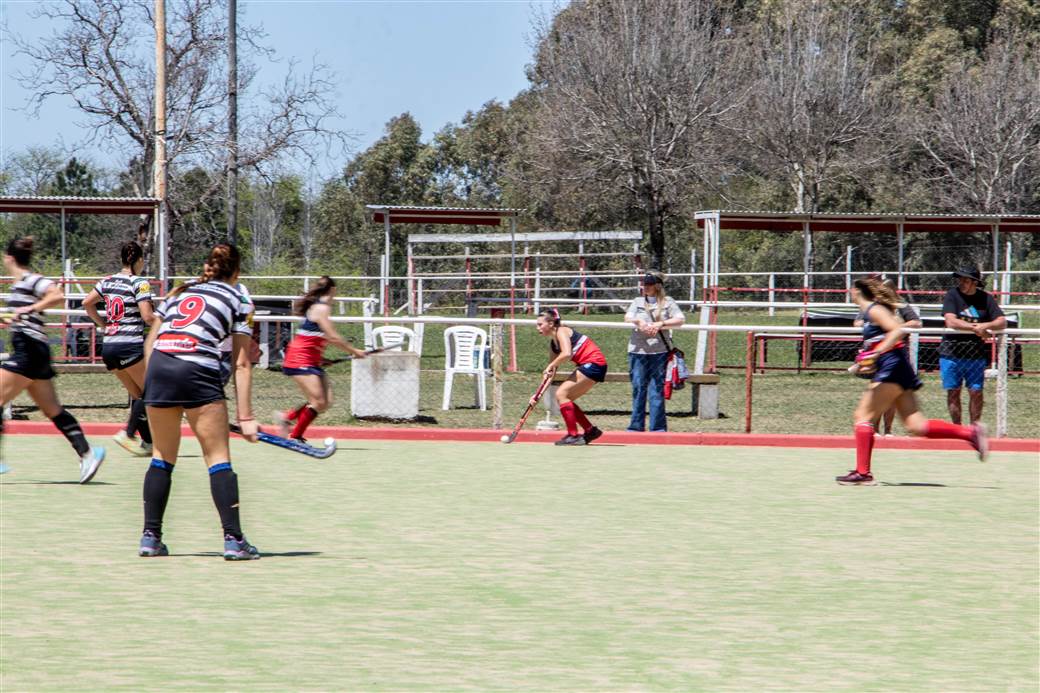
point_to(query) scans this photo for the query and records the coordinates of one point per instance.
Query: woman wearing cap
(652, 314)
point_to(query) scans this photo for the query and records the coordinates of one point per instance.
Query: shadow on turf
(59, 483)
(263, 554)
(918, 484)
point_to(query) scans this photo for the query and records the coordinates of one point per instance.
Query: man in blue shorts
(963, 358)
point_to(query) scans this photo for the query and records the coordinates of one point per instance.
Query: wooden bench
(704, 392)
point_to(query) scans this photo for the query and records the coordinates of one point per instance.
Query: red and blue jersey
(583, 350)
(307, 347)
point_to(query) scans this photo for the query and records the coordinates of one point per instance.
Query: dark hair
(130, 253)
(552, 315)
(21, 250)
(874, 289)
(222, 264)
(322, 288)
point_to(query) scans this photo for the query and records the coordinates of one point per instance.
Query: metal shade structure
(145, 206)
(388, 215)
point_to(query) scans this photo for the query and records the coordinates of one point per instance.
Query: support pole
(386, 262)
(693, 275)
(512, 295)
(411, 281)
(159, 163)
(996, 257)
(848, 272)
(749, 376)
(1007, 273)
(538, 283)
(64, 252)
(1002, 385)
(899, 242)
(772, 293)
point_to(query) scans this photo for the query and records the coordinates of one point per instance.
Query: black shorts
(121, 355)
(894, 367)
(175, 382)
(595, 371)
(29, 358)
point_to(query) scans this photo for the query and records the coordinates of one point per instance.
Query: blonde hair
(874, 289)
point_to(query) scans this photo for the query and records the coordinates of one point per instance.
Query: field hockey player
(128, 311)
(184, 378)
(29, 366)
(566, 344)
(893, 382)
(304, 357)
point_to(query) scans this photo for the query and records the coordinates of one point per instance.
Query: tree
(981, 132)
(101, 55)
(626, 89)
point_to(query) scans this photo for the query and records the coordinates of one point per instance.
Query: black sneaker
(592, 434)
(854, 478)
(571, 440)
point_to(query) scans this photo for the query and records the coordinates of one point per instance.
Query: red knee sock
(569, 417)
(937, 428)
(294, 414)
(864, 432)
(307, 415)
(580, 417)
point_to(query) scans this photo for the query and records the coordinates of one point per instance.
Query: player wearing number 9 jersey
(128, 312)
(183, 378)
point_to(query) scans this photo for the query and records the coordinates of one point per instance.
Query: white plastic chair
(392, 335)
(464, 350)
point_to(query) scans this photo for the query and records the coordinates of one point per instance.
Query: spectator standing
(963, 357)
(652, 314)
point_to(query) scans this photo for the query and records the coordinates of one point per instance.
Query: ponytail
(130, 253)
(222, 265)
(322, 288)
(551, 315)
(21, 249)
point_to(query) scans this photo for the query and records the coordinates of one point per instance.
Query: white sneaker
(132, 445)
(90, 463)
(281, 422)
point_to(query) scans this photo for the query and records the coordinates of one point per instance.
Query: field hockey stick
(331, 362)
(530, 407)
(294, 445)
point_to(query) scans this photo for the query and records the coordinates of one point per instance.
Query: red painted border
(616, 437)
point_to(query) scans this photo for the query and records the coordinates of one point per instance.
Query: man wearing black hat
(963, 358)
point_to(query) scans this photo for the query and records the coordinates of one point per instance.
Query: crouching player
(565, 345)
(304, 358)
(183, 378)
(893, 382)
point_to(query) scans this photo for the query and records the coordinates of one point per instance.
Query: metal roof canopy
(462, 216)
(79, 205)
(877, 223)
(527, 237)
(44, 204)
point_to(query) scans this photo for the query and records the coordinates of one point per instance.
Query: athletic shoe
(854, 478)
(90, 463)
(571, 440)
(151, 545)
(282, 423)
(239, 549)
(135, 447)
(592, 434)
(980, 440)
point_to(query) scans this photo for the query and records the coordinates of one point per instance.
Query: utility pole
(159, 166)
(232, 172)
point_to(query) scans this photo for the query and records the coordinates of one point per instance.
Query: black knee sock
(223, 484)
(138, 421)
(69, 427)
(157, 482)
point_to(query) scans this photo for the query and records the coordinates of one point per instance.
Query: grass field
(423, 566)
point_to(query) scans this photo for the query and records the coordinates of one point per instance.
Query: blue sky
(435, 59)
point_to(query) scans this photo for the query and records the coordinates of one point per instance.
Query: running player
(303, 357)
(893, 382)
(29, 365)
(128, 312)
(183, 378)
(570, 345)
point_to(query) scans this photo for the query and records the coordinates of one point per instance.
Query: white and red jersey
(583, 350)
(122, 293)
(307, 348)
(198, 319)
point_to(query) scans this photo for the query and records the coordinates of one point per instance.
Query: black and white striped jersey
(122, 294)
(25, 292)
(197, 320)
